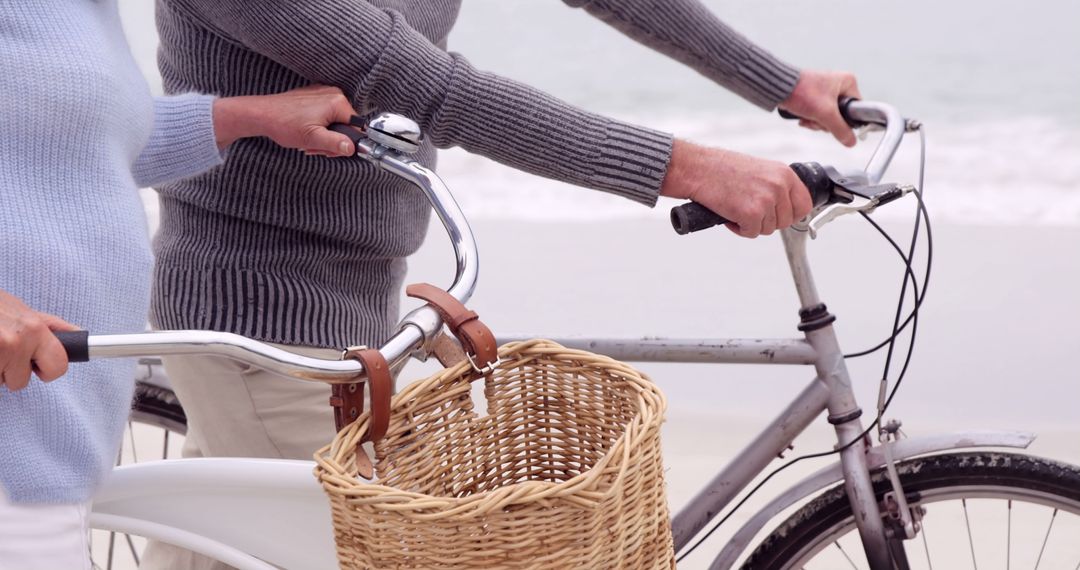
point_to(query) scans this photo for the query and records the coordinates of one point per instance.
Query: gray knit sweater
(311, 251)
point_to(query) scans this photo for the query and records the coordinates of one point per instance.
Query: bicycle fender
(254, 514)
(178, 537)
(832, 474)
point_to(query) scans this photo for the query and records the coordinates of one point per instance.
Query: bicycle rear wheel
(978, 510)
(155, 431)
(157, 406)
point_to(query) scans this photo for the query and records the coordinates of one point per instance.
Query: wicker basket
(563, 471)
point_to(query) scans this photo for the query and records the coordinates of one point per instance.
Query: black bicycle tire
(158, 406)
(1010, 470)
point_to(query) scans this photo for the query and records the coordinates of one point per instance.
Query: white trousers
(43, 537)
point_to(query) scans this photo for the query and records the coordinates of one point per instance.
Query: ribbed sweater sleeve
(182, 142)
(687, 31)
(377, 58)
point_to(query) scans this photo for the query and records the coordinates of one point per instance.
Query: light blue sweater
(79, 133)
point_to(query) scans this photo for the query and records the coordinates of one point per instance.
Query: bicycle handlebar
(692, 217)
(75, 344)
(895, 126)
(386, 143)
(844, 104)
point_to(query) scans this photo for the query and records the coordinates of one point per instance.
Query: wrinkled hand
(758, 196)
(27, 344)
(293, 119)
(815, 98)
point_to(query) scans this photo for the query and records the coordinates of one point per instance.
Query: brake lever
(851, 194)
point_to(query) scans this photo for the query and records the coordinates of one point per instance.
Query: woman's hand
(293, 119)
(27, 344)
(758, 196)
(815, 100)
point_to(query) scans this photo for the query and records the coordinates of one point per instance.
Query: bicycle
(258, 513)
(155, 420)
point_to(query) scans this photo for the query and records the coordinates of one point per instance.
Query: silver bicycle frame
(829, 390)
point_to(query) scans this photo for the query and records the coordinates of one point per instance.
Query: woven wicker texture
(563, 470)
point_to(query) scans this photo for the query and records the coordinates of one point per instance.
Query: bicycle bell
(395, 131)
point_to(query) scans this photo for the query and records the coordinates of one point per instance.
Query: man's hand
(758, 196)
(293, 119)
(27, 344)
(815, 99)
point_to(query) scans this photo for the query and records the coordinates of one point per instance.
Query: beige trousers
(237, 410)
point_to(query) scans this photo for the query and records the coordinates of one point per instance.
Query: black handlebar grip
(693, 217)
(76, 343)
(816, 180)
(844, 103)
(355, 134)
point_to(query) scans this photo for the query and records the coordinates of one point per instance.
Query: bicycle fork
(844, 415)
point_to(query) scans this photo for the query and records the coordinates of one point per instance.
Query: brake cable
(911, 252)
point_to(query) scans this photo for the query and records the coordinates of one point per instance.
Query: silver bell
(395, 131)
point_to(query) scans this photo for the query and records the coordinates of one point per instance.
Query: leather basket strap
(381, 386)
(348, 403)
(474, 335)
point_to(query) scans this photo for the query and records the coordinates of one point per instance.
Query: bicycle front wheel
(978, 510)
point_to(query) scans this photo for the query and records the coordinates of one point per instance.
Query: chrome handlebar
(384, 144)
(895, 126)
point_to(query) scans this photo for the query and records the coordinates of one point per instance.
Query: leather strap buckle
(348, 402)
(380, 384)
